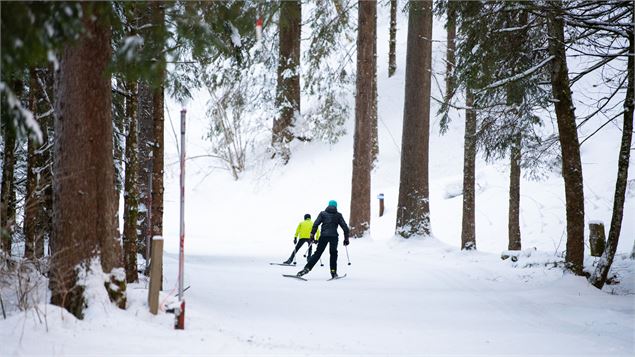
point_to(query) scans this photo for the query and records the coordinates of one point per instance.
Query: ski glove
(295, 240)
(346, 242)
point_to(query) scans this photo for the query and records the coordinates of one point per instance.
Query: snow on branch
(519, 75)
(601, 63)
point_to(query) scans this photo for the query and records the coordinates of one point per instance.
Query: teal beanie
(333, 203)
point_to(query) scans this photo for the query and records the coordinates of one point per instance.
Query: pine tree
(569, 144)
(364, 105)
(83, 185)
(288, 89)
(392, 45)
(158, 17)
(36, 220)
(468, 230)
(413, 208)
(494, 57)
(131, 202)
(374, 148)
(8, 189)
(599, 276)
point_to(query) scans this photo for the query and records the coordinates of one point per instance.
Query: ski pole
(321, 264)
(307, 250)
(347, 258)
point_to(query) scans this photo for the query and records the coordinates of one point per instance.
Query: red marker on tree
(259, 29)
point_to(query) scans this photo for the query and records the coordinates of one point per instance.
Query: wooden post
(381, 204)
(597, 238)
(156, 266)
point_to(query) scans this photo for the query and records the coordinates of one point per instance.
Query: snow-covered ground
(417, 297)
(414, 297)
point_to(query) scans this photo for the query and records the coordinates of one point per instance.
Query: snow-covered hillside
(421, 296)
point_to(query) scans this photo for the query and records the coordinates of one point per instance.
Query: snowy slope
(417, 296)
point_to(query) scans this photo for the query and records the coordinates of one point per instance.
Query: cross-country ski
(294, 276)
(337, 277)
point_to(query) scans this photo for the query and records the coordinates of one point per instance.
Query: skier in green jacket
(303, 232)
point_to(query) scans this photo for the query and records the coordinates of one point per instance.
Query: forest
(86, 86)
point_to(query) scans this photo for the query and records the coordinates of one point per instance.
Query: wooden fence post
(156, 267)
(381, 204)
(597, 238)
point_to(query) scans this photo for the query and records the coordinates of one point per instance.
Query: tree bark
(288, 89)
(373, 111)
(604, 265)
(468, 234)
(32, 200)
(513, 224)
(570, 147)
(392, 44)
(158, 14)
(413, 208)
(364, 100)
(131, 205)
(515, 93)
(451, 51)
(145, 145)
(45, 162)
(7, 190)
(83, 185)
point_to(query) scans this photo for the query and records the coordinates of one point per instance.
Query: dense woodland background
(84, 88)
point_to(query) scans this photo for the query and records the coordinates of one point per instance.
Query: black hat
(307, 216)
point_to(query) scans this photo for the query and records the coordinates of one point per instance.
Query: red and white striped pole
(180, 320)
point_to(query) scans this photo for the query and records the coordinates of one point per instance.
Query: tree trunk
(288, 89)
(373, 111)
(515, 93)
(604, 265)
(451, 51)
(7, 206)
(44, 162)
(571, 164)
(119, 130)
(131, 205)
(157, 165)
(362, 156)
(145, 140)
(468, 234)
(413, 208)
(392, 44)
(31, 201)
(83, 185)
(513, 223)
(158, 14)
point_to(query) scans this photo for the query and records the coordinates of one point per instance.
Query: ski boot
(288, 262)
(333, 273)
(303, 272)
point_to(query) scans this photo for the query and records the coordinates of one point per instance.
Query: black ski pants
(321, 246)
(299, 245)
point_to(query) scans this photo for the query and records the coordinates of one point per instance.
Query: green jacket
(304, 230)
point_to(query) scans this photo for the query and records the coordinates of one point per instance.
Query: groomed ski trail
(400, 298)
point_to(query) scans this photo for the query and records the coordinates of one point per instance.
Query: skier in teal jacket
(330, 219)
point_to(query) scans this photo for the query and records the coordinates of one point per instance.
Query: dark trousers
(332, 241)
(300, 243)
